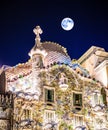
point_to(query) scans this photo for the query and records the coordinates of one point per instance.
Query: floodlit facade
(52, 92)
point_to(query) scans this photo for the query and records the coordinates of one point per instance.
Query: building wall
(6, 111)
(67, 99)
(79, 104)
(95, 60)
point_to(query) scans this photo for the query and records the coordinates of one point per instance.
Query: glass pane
(77, 99)
(49, 95)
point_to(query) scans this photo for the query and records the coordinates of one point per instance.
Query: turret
(37, 55)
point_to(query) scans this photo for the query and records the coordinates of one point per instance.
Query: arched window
(103, 93)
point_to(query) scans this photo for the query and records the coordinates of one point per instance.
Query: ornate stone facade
(52, 92)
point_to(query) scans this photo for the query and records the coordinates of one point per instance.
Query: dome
(55, 53)
(50, 51)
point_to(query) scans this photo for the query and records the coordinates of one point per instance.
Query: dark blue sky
(19, 17)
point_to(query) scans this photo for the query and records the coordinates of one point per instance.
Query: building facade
(52, 92)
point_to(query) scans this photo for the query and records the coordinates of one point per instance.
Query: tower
(37, 55)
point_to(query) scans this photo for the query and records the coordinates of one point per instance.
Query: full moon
(67, 24)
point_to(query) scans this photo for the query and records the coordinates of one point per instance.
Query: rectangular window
(26, 114)
(49, 116)
(49, 95)
(78, 121)
(77, 99)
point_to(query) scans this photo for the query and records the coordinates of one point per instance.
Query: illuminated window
(26, 114)
(78, 121)
(49, 95)
(49, 116)
(77, 99)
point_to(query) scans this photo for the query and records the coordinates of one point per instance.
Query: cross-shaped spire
(37, 30)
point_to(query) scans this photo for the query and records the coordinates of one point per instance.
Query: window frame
(73, 99)
(49, 88)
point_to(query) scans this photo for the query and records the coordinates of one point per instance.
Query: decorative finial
(37, 30)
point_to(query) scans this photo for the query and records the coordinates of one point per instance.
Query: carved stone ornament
(2, 113)
(4, 125)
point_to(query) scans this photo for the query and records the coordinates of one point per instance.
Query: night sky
(18, 18)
